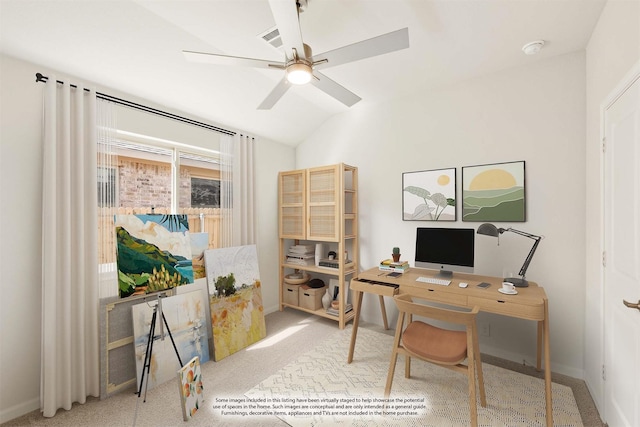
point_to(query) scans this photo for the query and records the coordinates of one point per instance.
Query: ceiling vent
(272, 37)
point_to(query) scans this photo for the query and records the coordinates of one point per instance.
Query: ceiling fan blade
(285, 13)
(334, 90)
(386, 43)
(275, 95)
(212, 58)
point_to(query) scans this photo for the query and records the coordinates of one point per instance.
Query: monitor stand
(445, 274)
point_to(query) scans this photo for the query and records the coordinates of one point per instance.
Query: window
(141, 175)
(205, 192)
(146, 163)
(107, 192)
(199, 181)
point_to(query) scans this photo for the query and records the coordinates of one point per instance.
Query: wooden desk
(530, 303)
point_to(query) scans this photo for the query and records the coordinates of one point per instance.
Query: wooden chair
(443, 347)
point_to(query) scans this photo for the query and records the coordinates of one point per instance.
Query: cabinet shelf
(325, 212)
(322, 312)
(350, 268)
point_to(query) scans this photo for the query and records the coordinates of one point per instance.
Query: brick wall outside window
(148, 184)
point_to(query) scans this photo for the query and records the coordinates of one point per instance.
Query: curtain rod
(42, 78)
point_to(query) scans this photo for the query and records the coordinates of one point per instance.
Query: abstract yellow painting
(237, 320)
(237, 313)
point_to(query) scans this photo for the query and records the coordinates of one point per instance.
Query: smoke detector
(533, 47)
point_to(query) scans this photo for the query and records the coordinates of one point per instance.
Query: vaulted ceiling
(136, 47)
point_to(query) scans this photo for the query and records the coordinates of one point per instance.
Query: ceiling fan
(300, 65)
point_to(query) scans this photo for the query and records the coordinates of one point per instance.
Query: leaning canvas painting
(185, 327)
(153, 253)
(199, 243)
(190, 383)
(237, 314)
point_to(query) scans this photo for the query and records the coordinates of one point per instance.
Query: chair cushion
(433, 343)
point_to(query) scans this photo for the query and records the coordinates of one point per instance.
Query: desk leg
(540, 344)
(356, 321)
(384, 313)
(547, 365)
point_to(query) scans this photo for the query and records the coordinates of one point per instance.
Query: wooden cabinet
(320, 205)
(291, 204)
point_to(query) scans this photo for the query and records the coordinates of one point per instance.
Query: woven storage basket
(296, 278)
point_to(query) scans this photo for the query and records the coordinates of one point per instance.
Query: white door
(622, 254)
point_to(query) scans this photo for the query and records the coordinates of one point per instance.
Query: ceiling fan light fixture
(299, 73)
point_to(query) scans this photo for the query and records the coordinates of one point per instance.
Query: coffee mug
(508, 287)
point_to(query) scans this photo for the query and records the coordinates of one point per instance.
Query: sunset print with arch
(492, 179)
(493, 192)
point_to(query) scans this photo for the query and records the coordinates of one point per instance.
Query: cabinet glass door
(291, 193)
(323, 203)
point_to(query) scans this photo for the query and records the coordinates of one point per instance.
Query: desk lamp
(491, 230)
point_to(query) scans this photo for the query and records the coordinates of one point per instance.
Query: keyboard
(434, 281)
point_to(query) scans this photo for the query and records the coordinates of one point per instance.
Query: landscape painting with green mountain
(153, 253)
(494, 192)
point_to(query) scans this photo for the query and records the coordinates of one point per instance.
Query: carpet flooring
(320, 388)
(291, 335)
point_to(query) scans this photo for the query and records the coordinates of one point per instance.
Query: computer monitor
(445, 249)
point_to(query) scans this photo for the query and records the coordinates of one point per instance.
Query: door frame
(625, 83)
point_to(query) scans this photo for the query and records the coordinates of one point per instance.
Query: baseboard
(271, 309)
(531, 361)
(16, 411)
(595, 388)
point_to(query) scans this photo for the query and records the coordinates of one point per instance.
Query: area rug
(320, 388)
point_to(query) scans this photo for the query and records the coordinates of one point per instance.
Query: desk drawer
(509, 306)
(437, 294)
(377, 289)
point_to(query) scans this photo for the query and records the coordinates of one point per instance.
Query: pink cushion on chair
(433, 343)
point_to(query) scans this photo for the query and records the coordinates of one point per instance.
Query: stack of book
(390, 265)
(331, 263)
(335, 312)
(301, 255)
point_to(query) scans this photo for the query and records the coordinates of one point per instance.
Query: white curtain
(226, 191)
(245, 188)
(107, 158)
(237, 190)
(69, 351)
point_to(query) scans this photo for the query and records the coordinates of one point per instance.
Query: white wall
(536, 114)
(20, 229)
(271, 159)
(612, 51)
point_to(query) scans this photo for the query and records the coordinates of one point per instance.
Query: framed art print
(429, 195)
(494, 192)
